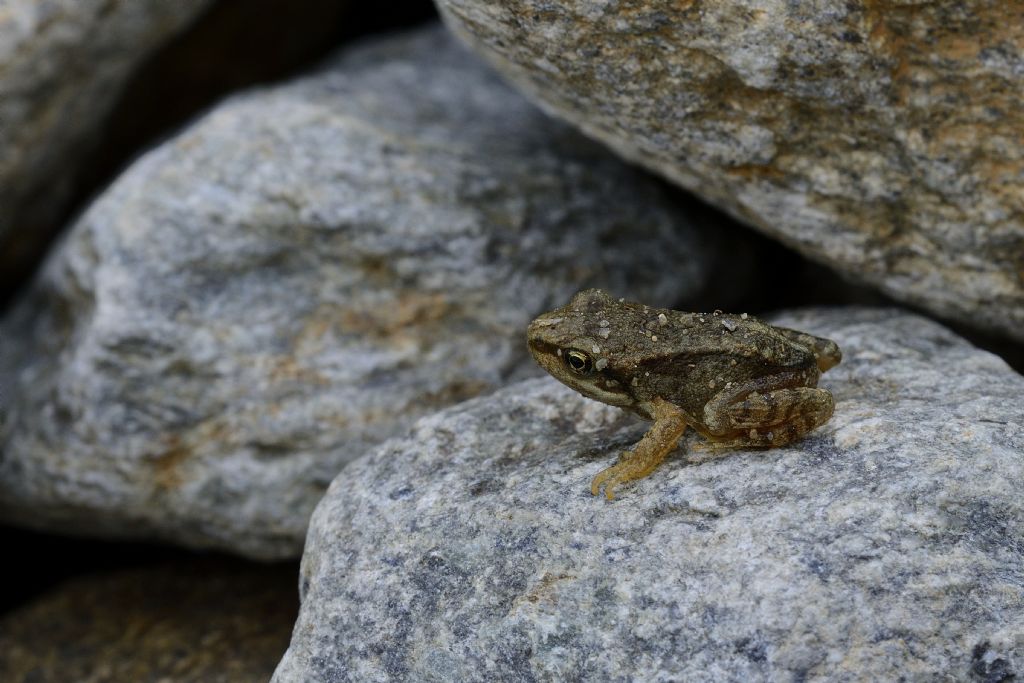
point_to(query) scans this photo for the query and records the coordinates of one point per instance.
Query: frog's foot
(658, 442)
(772, 419)
(630, 466)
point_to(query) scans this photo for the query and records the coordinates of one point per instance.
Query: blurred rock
(884, 546)
(881, 139)
(63, 64)
(235, 45)
(296, 277)
(203, 621)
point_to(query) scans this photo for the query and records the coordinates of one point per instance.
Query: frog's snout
(542, 329)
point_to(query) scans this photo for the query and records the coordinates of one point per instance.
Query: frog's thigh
(658, 442)
(735, 402)
(774, 418)
(771, 408)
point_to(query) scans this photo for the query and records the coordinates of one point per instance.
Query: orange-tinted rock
(885, 139)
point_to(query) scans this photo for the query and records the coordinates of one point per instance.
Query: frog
(736, 380)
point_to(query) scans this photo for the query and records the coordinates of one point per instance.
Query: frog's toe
(609, 479)
(632, 465)
(609, 473)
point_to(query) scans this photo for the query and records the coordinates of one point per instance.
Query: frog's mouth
(603, 389)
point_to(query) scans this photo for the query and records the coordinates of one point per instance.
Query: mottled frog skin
(738, 381)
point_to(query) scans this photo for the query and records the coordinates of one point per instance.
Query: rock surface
(204, 621)
(298, 276)
(63, 64)
(884, 139)
(884, 546)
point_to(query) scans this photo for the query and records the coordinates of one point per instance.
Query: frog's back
(749, 341)
(712, 352)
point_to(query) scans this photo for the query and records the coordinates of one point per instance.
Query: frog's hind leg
(658, 442)
(773, 419)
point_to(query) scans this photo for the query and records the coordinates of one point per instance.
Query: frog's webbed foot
(658, 442)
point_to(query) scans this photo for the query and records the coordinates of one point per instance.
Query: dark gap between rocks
(39, 562)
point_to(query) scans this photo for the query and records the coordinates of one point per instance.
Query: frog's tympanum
(736, 380)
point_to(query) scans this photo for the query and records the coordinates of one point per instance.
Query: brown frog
(738, 381)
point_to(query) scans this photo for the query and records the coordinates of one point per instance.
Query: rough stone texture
(295, 278)
(885, 546)
(203, 621)
(62, 65)
(883, 138)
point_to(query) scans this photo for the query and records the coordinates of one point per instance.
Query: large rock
(884, 139)
(185, 621)
(298, 276)
(884, 546)
(63, 64)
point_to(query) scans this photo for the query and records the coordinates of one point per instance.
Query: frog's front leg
(767, 412)
(658, 442)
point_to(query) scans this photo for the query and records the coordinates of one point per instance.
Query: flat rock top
(885, 545)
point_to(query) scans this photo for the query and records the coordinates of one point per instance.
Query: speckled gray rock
(62, 66)
(881, 138)
(884, 546)
(295, 278)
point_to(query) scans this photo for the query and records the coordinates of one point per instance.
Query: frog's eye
(579, 362)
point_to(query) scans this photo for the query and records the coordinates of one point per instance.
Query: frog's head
(568, 343)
